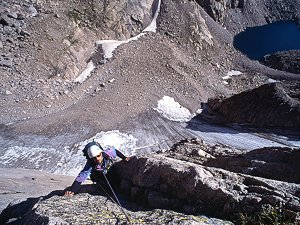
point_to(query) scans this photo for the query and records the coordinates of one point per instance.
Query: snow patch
(173, 110)
(152, 26)
(270, 80)
(86, 73)
(125, 143)
(232, 73)
(109, 46)
(65, 161)
(42, 159)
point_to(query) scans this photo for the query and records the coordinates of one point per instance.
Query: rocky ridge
(285, 60)
(266, 106)
(91, 209)
(184, 179)
(206, 189)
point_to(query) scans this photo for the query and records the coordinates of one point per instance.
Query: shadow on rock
(269, 105)
(92, 208)
(14, 212)
(17, 210)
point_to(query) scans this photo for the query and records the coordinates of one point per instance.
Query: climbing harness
(118, 202)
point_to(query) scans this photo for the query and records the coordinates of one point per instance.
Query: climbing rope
(118, 202)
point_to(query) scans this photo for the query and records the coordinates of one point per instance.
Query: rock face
(218, 9)
(268, 105)
(168, 183)
(286, 60)
(272, 163)
(177, 187)
(194, 24)
(228, 12)
(97, 209)
(276, 163)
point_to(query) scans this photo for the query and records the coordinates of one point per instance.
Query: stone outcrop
(193, 20)
(273, 163)
(85, 208)
(218, 9)
(226, 11)
(266, 106)
(286, 60)
(169, 183)
(168, 187)
(276, 163)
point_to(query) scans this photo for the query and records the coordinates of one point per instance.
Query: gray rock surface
(88, 209)
(286, 60)
(266, 106)
(276, 163)
(272, 163)
(171, 182)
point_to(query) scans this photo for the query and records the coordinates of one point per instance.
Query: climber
(99, 162)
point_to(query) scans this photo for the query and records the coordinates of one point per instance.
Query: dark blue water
(255, 42)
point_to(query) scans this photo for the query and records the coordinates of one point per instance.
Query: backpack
(88, 146)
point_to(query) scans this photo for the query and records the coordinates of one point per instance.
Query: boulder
(209, 190)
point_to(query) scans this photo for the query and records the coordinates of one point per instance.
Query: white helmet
(93, 151)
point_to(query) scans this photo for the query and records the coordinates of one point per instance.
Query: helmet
(93, 151)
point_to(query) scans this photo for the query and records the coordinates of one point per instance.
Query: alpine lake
(256, 42)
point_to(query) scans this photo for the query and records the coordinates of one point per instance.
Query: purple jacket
(108, 155)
